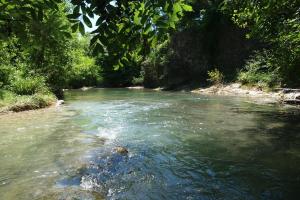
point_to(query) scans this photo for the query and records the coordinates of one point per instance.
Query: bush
(215, 77)
(138, 80)
(28, 85)
(260, 71)
(5, 72)
(36, 101)
(9, 101)
(84, 72)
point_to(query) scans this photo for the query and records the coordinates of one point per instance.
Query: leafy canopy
(124, 24)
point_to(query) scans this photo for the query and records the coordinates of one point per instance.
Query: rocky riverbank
(278, 96)
(281, 95)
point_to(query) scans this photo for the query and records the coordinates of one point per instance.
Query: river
(180, 146)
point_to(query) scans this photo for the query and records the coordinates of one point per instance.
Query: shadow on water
(276, 158)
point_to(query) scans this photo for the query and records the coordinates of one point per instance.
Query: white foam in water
(88, 183)
(155, 106)
(108, 133)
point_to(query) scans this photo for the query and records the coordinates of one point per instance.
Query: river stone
(121, 150)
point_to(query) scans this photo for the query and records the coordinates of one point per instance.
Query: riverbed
(180, 146)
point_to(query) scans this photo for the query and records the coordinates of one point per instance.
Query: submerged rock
(121, 150)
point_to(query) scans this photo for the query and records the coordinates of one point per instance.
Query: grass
(9, 101)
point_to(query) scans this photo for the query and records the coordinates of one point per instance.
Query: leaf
(120, 27)
(177, 8)
(147, 29)
(144, 19)
(76, 10)
(187, 8)
(99, 21)
(136, 18)
(67, 34)
(172, 25)
(98, 49)
(87, 21)
(93, 40)
(74, 27)
(96, 31)
(83, 9)
(162, 24)
(73, 16)
(81, 28)
(90, 13)
(76, 2)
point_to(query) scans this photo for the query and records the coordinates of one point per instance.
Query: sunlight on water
(181, 146)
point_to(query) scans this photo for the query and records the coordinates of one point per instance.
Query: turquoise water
(181, 146)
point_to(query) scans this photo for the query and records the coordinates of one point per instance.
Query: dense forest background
(44, 47)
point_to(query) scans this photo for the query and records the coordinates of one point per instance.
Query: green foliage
(83, 71)
(261, 71)
(153, 65)
(12, 102)
(42, 53)
(138, 81)
(122, 73)
(215, 77)
(10, 58)
(5, 72)
(123, 25)
(28, 85)
(16, 17)
(131, 43)
(277, 24)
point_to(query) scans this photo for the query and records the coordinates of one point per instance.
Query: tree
(124, 24)
(277, 24)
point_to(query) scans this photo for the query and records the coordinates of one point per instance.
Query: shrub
(138, 80)
(84, 72)
(215, 77)
(5, 72)
(260, 71)
(36, 101)
(28, 85)
(9, 101)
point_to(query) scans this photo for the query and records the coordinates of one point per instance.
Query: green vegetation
(261, 71)
(215, 77)
(277, 24)
(83, 70)
(9, 101)
(39, 55)
(43, 48)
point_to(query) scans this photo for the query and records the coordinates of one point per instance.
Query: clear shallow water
(181, 146)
